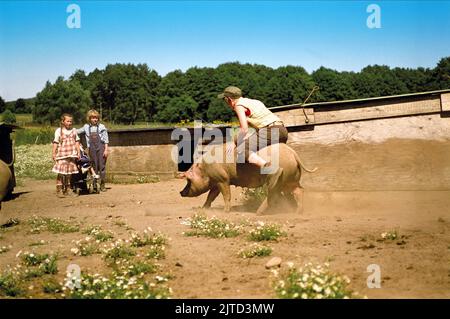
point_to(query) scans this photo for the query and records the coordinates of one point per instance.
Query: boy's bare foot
(268, 163)
(268, 169)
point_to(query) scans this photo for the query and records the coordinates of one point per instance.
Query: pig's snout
(185, 191)
(195, 188)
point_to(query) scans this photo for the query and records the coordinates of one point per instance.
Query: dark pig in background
(5, 181)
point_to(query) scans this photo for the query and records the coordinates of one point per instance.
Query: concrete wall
(140, 155)
(407, 153)
(140, 163)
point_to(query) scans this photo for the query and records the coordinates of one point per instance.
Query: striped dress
(66, 153)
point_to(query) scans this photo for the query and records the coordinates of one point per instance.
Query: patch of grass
(86, 247)
(98, 234)
(24, 119)
(213, 227)
(147, 238)
(33, 266)
(134, 179)
(51, 287)
(393, 236)
(49, 266)
(32, 259)
(390, 235)
(116, 286)
(117, 251)
(53, 225)
(34, 136)
(255, 250)
(30, 273)
(266, 232)
(34, 161)
(156, 252)
(45, 263)
(156, 242)
(311, 282)
(253, 197)
(147, 179)
(138, 268)
(11, 283)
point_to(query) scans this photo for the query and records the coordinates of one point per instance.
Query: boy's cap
(231, 91)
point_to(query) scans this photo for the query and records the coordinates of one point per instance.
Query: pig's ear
(189, 173)
(181, 175)
(196, 169)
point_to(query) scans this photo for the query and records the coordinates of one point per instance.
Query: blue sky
(36, 45)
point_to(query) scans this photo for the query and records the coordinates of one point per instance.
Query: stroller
(86, 181)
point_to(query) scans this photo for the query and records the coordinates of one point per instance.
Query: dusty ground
(339, 227)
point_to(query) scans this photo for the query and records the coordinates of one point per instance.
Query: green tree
(289, 85)
(172, 85)
(178, 108)
(253, 79)
(2, 105)
(415, 80)
(377, 80)
(8, 117)
(21, 106)
(61, 97)
(127, 92)
(334, 86)
(80, 76)
(201, 85)
(441, 75)
(11, 106)
(219, 111)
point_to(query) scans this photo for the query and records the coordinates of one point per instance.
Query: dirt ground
(341, 228)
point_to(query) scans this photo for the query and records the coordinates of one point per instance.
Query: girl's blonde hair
(92, 113)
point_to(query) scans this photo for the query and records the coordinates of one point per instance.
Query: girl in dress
(66, 149)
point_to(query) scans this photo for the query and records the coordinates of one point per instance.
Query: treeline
(127, 93)
(20, 106)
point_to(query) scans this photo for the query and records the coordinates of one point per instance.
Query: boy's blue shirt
(102, 131)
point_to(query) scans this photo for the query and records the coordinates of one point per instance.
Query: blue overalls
(96, 151)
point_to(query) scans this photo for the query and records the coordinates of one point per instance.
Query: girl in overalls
(97, 141)
(66, 149)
